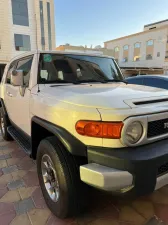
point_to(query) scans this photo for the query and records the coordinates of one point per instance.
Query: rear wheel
(59, 179)
(3, 126)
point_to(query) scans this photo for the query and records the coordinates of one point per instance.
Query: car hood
(102, 96)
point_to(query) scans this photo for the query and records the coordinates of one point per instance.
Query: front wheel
(59, 179)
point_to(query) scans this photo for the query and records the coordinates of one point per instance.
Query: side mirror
(17, 78)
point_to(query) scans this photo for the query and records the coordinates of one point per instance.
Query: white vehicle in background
(75, 115)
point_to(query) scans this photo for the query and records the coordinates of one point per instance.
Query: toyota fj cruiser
(75, 115)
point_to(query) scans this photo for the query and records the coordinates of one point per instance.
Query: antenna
(37, 54)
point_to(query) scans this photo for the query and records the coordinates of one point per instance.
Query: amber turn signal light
(99, 129)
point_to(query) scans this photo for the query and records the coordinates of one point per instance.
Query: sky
(92, 22)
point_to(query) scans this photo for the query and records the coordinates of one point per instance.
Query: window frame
(42, 27)
(136, 44)
(149, 58)
(49, 25)
(125, 59)
(16, 64)
(136, 57)
(121, 76)
(158, 54)
(22, 13)
(22, 35)
(125, 49)
(22, 59)
(151, 40)
(116, 48)
(9, 68)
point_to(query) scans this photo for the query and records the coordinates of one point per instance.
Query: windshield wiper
(88, 81)
(58, 81)
(115, 80)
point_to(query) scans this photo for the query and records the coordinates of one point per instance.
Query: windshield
(56, 68)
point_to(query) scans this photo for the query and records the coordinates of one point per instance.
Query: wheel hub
(50, 178)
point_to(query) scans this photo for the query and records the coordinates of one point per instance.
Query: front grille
(158, 127)
(163, 169)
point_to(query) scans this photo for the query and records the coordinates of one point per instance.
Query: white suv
(75, 114)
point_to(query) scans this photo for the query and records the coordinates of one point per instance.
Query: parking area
(22, 203)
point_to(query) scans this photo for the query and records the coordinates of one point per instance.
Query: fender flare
(71, 143)
(2, 105)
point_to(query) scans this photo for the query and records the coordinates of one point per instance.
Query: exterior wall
(160, 41)
(24, 30)
(5, 34)
(8, 29)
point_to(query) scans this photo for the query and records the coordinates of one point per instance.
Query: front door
(17, 104)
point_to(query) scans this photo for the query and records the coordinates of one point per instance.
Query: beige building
(25, 25)
(143, 52)
(100, 51)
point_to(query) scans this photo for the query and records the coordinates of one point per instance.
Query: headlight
(134, 132)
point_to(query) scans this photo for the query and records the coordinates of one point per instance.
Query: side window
(138, 81)
(156, 82)
(11, 68)
(25, 65)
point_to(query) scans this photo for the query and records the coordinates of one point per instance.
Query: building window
(125, 59)
(137, 45)
(158, 54)
(20, 12)
(42, 26)
(166, 55)
(149, 43)
(116, 49)
(125, 47)
(22, 42)
(148, 57)
(49, 26)
(136, 58)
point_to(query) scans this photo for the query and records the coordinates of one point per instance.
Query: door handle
(9, 94)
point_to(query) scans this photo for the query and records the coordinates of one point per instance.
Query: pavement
(22, 203)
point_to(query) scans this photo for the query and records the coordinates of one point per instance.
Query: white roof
(58, 52)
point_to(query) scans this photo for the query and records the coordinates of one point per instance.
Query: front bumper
(141, 170)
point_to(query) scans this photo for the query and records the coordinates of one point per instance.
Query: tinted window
(11, 68)
(22, 42)
(49, 25)
(42, 26)
(72, 68)
(138, 80)
(156, 82)
(20, 12)
(25, 65)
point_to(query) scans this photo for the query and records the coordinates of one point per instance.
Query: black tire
(6, 136)
(73, 192)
